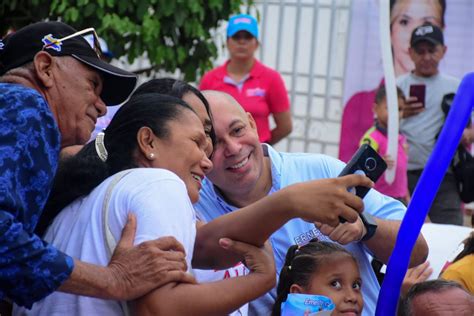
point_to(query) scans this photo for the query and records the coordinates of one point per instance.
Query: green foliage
(173, 34)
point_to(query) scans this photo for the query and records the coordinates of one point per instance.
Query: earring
(151, 156)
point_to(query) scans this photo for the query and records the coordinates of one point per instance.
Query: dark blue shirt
(29, 148)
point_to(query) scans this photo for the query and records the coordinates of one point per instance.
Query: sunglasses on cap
(89, 31)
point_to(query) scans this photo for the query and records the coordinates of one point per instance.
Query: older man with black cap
(53, 87)
(423, 117)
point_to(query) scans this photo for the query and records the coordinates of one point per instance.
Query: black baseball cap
(428, 33)
(20, 47)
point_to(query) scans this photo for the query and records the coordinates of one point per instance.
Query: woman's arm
(322, 200)
(216, 298)
(283, 126)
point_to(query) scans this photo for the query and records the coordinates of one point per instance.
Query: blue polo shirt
(30, 269)
(290, 168)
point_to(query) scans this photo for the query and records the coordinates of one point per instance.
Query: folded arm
(216, 298)
(283, 126)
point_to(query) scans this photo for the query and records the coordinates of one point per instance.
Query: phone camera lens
(370, 164)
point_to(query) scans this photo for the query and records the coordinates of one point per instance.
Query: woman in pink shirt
(259, 89)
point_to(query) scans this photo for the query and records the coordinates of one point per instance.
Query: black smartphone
(418, 91)
(365, 161)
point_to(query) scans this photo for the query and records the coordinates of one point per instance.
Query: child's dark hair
(178, 89)
(78, 175)
(381, 94)
(301, 263)
(468, 248)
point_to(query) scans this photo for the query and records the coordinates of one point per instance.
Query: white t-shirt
(162, 207)
(207, 276)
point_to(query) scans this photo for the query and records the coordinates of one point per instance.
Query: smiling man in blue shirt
(246, 171)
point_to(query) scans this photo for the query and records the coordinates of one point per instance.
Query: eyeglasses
(95, 45)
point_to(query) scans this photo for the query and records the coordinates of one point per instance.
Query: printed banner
(364, 71)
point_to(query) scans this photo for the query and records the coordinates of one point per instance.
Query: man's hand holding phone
(368, 164)
(366, 161)
(325, 200)
(415, 103)
(412, 107)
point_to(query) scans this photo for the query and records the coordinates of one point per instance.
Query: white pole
(390, 86)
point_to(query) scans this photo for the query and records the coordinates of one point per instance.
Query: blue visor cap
(242, 22)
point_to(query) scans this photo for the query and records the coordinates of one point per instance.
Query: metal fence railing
(306, 41)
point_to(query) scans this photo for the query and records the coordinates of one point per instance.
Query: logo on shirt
(257, 92)
(1, 45)
(306, 237)
(238, 270)
(50, 42)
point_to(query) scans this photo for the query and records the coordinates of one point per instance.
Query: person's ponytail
(285, 281)
(76, 176)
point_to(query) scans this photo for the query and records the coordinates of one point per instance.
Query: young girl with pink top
(376, 137)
